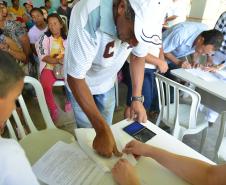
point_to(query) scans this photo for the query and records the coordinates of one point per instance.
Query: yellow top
(56, 50)
(18, 13)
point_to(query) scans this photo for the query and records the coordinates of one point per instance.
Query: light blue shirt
(180, 38)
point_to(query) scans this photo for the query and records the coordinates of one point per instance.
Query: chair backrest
(169, 98)
(221, 134)
(64, 19)
(27, 118)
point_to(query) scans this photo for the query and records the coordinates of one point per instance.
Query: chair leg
(116, 94)
(158, 120)
(203, 139)
(178, 133)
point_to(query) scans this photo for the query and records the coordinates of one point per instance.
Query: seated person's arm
(194, 171)
(52, 60)
(195, 60)
(25, 45)
(170, 18)
(160, 63)
(209, 66)
(14, 50)
(179, 63)
(33, 49)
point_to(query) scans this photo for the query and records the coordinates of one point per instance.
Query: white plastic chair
(220, 147)
(116, 93)
(64, 18)
(182, 118)
(36, 142)
(59, 83)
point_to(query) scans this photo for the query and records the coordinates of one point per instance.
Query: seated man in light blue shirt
(189, 38)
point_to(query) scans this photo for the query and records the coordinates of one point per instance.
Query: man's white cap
(149, 17)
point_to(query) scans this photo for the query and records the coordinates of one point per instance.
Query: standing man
(49, 8)
(101, 36)
(64, 10)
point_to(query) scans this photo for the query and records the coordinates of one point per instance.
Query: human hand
(162, 66)
(60, 60)
(4, 47)
(136, 148)
(138, 112)
(210, 68)
(185, 65)
(127, 112)
(124, 173)
(104, 143)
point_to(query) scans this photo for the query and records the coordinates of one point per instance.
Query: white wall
(207, 11)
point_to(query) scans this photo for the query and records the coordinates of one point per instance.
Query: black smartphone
(139, 132)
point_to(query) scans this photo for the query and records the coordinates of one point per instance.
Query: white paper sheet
(85, 139)
(67, 164)
(208, 76)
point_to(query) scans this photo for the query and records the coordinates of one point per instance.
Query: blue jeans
(149, 91)
(104, 102)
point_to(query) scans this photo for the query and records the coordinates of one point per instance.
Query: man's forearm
(85, 99)
(172, 58)
(193, 171)
(137, 74)
(151, 59)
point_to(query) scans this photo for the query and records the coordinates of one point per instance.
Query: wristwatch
(138, 98)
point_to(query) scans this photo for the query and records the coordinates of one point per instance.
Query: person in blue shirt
(189, 38)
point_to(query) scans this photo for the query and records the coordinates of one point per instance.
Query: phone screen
(139, 132)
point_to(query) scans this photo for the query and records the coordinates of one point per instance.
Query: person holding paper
(14, 166)
(101, 36)
(193, 171)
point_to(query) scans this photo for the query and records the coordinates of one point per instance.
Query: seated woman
(50, 49)
(10, 46)
(14, 166)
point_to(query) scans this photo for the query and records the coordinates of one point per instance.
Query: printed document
(67, 164)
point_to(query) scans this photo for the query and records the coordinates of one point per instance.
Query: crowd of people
(101, 36)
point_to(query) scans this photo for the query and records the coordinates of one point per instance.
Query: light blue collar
(107, 23)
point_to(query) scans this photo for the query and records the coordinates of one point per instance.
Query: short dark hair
(129, 12)
(10, 73)
(36, 9)
(14, 0)
(4, 3)
(63, 31)
(213, 37)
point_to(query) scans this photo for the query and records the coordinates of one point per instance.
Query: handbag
(58, 71)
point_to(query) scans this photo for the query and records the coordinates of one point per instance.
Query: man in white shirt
(14, 166)
(101, 36)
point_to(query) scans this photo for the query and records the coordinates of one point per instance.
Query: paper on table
(67, 164)
(208, 76)
(85, 139)
(205, 75)
(221, 74)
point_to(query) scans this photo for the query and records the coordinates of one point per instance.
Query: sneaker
(68, 107)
